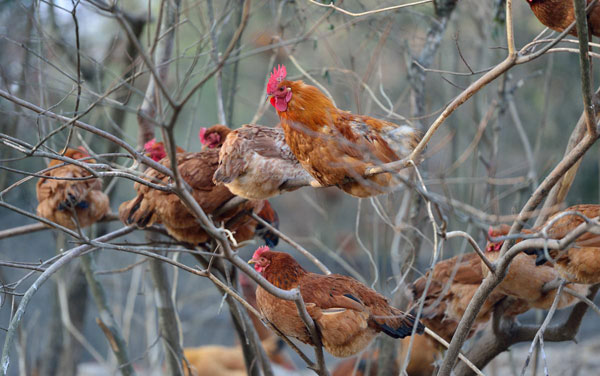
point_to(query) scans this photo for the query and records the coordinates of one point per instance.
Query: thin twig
(473, 243)
(106, 318)
(444, 343)
(291, 242)
(542, 329)
(35, 227)
(332, 6)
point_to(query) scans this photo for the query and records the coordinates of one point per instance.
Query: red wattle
(280, 104)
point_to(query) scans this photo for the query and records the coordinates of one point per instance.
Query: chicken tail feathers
(221, 177)
(404, 329)
(83, 204)
(136, 211)
(541, 256)
(74, 197)
(270, 215)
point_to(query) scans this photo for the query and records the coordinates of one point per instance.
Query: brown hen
(349, 314)
(559, 14)
(154, 206)
(334, 146)
(278, 357)
(71, 202)
(525, 280)
(256, 163)
(579, 263)
(453, 284)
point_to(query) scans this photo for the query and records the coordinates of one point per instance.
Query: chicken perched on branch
(453, 284)
(279, 357)
(348, 314)
(526, 281)
(71, 202)
(580, 263)
(154, 206)
(256, 163)
(559, 14)
(334, 146)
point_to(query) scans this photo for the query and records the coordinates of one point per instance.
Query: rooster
(559, 14)
(348, 314)
(71, 202)
(256, 163)
(153, 206)
(524, 280)
(453, 284)
(336, 147)
(579, 263)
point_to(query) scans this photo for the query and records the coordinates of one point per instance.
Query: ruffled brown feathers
(283, 271)
(349, 314)
(196, 169)
(336, 147)
(256, 163)
(69, 196)
(559, 14)
(308, 106)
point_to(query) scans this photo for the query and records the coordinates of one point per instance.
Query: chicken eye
(281, 88)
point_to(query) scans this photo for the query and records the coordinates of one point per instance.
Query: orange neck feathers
(282, 270)
(308, 105)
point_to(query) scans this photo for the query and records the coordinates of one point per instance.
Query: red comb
(277, 76)
(150, 144)
(259, 251)
(491, 232)
(201, 135)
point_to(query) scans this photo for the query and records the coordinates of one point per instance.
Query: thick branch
(506, 332)
(584, 64)
(559, 192)
(492, 280)
(168, 320)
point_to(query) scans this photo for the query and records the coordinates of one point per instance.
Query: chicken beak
(252, 261)
(268, 98)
